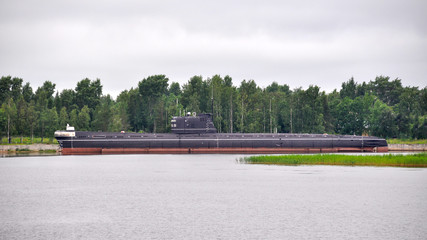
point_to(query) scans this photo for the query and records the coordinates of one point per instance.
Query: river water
(206, 197)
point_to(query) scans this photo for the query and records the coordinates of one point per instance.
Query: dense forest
(381, 107)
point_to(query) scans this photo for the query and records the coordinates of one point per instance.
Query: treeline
(382, 107)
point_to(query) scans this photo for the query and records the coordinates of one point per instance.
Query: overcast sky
(298, 43)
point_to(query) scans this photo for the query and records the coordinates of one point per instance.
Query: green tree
(83, 123)
(349, 89)
(251, 109)
(67, 99)
(382, 122)
(136, 109)
(21, 123)
(11, 113)
(74, 118)
(175, 89)
(313, 110)
(3, 122)
(408, 109)
(44, 95)
(27, 92)
(420, 128)
(152, 89)
(63, 118)
(43, 121)
(52, 122)
(31, 117)
(423, 101)
(87, 93)
(387, 91)
(5, 87)
(191, 93)
(196, 95)
(103, 116)
(120, 118)
(16, 88)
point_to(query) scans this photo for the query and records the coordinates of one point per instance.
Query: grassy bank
(27, 140)
(406, 141)
(26, 150)
(398, 160)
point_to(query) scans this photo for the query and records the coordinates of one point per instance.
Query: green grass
(22, 150)
(27, 140)
(406, 141)
(47, 151)
(398, 160)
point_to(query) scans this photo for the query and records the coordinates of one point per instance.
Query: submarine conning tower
(192, 123)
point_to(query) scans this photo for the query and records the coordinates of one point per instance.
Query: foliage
(396, 160)
(88, 93)
(382, 107)
(28, 140)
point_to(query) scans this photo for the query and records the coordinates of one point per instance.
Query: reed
(395, 160)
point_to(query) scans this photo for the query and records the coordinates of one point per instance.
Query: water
(206, 197)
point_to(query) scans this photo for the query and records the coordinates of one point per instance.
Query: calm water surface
(206, 197)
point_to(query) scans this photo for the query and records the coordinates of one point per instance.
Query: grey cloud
(294, 42)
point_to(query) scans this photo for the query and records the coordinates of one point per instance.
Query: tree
(251, 112)
(423, 101)
(191, 94)
(5, 87)
(31, 117)
(67, 99)
(277, 102)
(175, 89)
(313, 110)
(43, 119)
(16, 89)
(52, 122)
(136, 109)
(103, 116)
(348, 89)
(152, 89)
(83, 123)
(382, 107)
(27, 92)
(11, 112)
(44, 95)
(87, 93)
(120, 117)
(63, 118)
(420, 128)
(3, 122)
(21, 123)
(74, 118)
(387, 91)
(408, 109)
(382, 120)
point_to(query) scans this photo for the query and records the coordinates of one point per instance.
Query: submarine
(196, 133)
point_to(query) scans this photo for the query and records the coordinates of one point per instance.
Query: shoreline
(39, 147)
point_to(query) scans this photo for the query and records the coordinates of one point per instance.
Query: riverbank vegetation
(406, 141)
(28, 140)
(380, 107)
(395, 160)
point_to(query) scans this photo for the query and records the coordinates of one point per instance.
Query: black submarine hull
(79, 142)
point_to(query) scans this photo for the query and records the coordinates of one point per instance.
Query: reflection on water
(205, 197)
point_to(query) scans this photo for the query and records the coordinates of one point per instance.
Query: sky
(298, 43)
